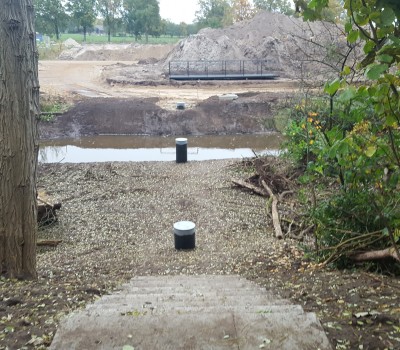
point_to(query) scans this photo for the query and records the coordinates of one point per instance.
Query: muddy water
(151, 148)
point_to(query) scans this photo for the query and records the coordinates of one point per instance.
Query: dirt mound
(250, 113)
(115, 52)
(292, 48)
(71, 43)
(285, 42)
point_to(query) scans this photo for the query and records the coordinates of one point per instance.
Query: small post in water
(181, 150)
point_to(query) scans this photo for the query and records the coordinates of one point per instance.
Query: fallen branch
(275, 214)
(376, 255)
(289, 231)
(307, 229)
(250, 187)
(55, 206)
(267, 205)
(283, 194)
(48, 242)
(351, 244)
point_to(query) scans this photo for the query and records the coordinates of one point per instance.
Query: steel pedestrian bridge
(222, 70)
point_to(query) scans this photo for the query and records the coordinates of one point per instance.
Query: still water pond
(155, 148)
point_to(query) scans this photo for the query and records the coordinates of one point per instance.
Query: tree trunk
(84, 33)
(19, 110)
(57, 30)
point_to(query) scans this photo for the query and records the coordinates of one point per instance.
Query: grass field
(103, 39)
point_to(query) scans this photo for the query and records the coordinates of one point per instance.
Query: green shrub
(50, 106)
(347, 141)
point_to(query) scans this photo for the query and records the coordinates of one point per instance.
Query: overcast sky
(178, 11)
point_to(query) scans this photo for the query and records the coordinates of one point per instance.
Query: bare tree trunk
(19, 109)
(57, 29)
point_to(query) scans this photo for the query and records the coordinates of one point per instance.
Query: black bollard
(184, 235)
(181, 150)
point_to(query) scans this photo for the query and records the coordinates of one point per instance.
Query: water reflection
(150, 148)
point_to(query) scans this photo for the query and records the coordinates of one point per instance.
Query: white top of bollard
(181, 141)
(184, 228)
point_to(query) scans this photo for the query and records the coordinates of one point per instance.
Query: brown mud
(249, 113)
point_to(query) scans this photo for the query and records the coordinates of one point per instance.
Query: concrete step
(179, 294)
(211, 299)
(191, 312)
(190, 278)
(150, 309)
(191, 291)
(193, 281)
(226, 330)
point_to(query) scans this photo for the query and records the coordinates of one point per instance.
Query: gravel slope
(116, 222)
(118, 218)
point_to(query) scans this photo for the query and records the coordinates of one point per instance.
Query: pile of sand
(114, 52)
(72, 49)
(69, 43)
(291, 46)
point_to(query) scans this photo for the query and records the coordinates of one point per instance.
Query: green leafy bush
(355, 138)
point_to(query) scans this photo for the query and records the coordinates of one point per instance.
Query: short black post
(184, 235)
(181, 150)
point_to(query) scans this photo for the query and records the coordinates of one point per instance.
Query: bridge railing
(221, 67)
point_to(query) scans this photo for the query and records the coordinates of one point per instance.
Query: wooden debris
(250, 187)
(274, 209)
(48, 242)
(376, 255)
(46, 210)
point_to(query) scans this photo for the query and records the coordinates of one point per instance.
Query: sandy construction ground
(86, 78)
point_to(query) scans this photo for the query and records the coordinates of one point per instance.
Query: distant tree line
(139, 18)
(220, 13)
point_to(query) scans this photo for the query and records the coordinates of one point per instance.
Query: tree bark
(19, 110)
(57, 30)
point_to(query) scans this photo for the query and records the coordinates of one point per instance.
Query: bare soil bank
(250, 113)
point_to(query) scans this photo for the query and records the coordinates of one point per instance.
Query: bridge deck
(249, 76)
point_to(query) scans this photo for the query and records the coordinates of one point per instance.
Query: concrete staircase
(191, 312)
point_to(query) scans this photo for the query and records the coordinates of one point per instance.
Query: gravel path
(117, 218)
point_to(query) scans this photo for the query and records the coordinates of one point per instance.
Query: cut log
(48, 242)
(250, 187)
(376, 255)
(274, 209)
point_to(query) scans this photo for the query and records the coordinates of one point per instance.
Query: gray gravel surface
(116, 223)
(117, 219)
